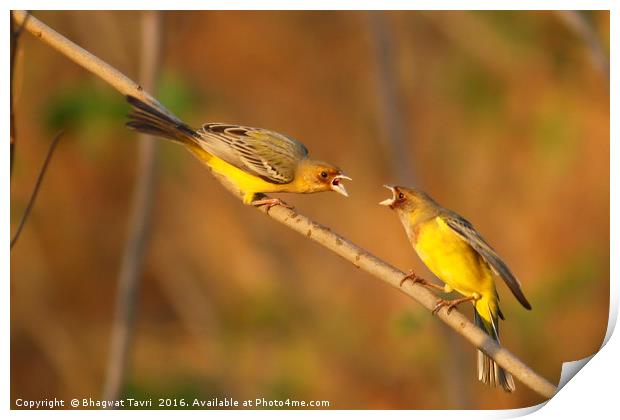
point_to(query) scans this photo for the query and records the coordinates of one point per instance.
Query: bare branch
(320, 234)
(35, 191)
(128, 277)
(15, 33)
(85, 59)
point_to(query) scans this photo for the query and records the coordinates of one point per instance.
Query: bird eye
(323, 174)
(401, 196)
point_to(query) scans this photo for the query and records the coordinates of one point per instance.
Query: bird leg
(451, 304)
(270, 202)
(415, 279)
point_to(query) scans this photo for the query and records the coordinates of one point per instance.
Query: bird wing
(264, 153)
(467, 231)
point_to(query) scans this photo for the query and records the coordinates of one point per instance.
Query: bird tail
(489, 372)
(146, 119)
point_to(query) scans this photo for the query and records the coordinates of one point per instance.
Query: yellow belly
(452, 259)
(245, 183)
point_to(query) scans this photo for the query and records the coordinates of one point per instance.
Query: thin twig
(578, 23)
(35, 191)
(15, 33)
(324, 236)
(391, 109)
(128, 277)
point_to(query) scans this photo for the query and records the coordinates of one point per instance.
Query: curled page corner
(570, 369)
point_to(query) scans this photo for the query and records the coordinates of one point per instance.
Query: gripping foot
(270, 202)
(451, 304)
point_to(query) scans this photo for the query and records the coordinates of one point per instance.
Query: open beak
(338, 186)
(389, 201)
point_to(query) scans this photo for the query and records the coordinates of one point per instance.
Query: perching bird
(251, 160)
(456, 253)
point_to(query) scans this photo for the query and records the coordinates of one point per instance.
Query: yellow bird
(251, 160)
(456, 253)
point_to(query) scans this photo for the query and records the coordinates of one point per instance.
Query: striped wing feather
(466, 231)
(264, 153)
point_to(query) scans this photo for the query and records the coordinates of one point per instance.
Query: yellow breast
(452, 259)
(245, 183)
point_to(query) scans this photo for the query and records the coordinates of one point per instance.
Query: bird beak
(389, 201)
(338, 186)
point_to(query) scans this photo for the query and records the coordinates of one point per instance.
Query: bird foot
(415, 279)
(270, 202)
(450, 304)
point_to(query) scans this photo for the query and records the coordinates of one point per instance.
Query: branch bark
(15, 33)
(339, 245)
(128, 277)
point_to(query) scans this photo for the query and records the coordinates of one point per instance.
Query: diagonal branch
(318, 233)
(15, 33)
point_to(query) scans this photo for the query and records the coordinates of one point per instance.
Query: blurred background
(501, 116)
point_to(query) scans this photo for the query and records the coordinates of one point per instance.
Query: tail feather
(146, 119)
(489, 372)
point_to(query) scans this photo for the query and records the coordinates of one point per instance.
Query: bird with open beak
(251, 160)
(458, 255)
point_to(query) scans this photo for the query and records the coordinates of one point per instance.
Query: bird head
(320, 176)
(406, 199)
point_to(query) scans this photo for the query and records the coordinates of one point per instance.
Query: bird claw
(413, 277)
(419, 280)
(449, 304)
(271, 202)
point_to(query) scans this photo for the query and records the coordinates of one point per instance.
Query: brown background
(504, 117)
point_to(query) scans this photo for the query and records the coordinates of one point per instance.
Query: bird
(253, 161)
(459, 256)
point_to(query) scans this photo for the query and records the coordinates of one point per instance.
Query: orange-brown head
(411, 204)
(315, 176)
